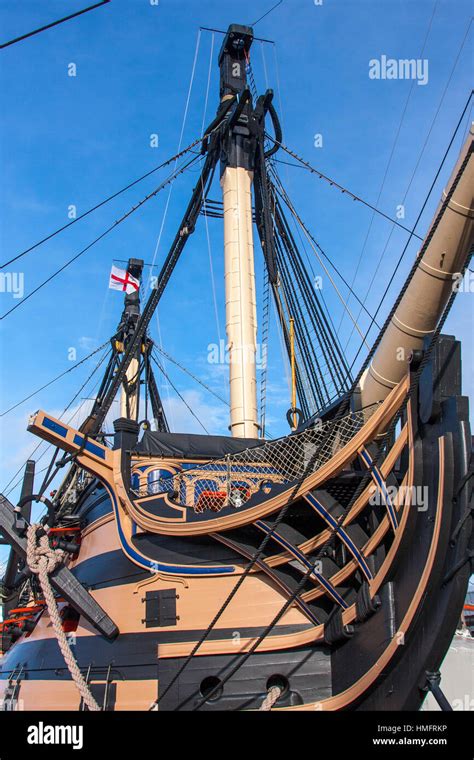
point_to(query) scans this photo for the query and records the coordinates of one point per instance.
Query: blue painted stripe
(380, 482)
(342, 534)
(303, 559)
(157, 567)
(89, 446)
(55, 427)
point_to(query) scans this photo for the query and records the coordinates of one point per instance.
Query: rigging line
(106, 200)
(4, 489)
(343, 190)
(327, 310)
(416, 223)
(289, 306)
(49, 446)
(246, 572)
(422, 151)
(304, 368)
(209, 248)
(323, 253)
(168, 199)
(54, 23)
(183, 126)
(267, 13)
(178, 393)
(50, 475)
(100, 237)
(264, 62)
(308, 237)
(242, 658)
(160, 339)
(224, 32)
(319, 301)
(40, 472)
(38, 390)
(280, 321)
(188, 372)
(265, 329)
(392, 152)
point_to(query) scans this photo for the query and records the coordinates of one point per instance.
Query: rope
(273, 695)
(241, 659)
(163, 371)
(247, 570)
(134, 182)
(183, 126)
(190, 374)
(208, 237)
(384, 178)
(284, 195)
(58, 377)
(52, 24)
(125, 216)
(337, 185)
(49, 446)
(42, 560)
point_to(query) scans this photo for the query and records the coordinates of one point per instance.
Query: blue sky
(74, 140)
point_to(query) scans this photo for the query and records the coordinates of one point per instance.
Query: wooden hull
(377, 613)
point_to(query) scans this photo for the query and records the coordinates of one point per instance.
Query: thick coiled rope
(273, 694)
(42, 559)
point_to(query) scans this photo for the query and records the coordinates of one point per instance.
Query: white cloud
(87, 343)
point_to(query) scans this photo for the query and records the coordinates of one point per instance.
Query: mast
(447, 246)
(130, 393)
(237, 165)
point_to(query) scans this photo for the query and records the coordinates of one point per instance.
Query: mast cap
(237, 41)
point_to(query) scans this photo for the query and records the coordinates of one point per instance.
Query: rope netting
(232, 480)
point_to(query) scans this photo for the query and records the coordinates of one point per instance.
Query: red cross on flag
(122, 280)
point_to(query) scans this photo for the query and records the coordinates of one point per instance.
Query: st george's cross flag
(122, 280)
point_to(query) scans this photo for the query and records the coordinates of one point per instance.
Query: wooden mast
(237, 163)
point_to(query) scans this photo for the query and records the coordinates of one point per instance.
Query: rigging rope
(333, 183)
(66, 372)
(417, 260)
(267, 13)
(419, 159)
(208, 237)
(104, 202)
(53, 23)
(160, 187)
(42, 559)
(168, 199)
(178, 393)
(49, 446)
(384, 178)
(265, 334)
(325, 255)
(284, 195)
(188, 372)
(188, 98)
(48, 478)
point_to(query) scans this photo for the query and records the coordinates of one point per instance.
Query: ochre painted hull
(372, 618)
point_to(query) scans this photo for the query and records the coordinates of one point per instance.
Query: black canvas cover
(188, 446)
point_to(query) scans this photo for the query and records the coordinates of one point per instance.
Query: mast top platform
(237, 42)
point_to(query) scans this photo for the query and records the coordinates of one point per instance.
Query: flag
(122, 280)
